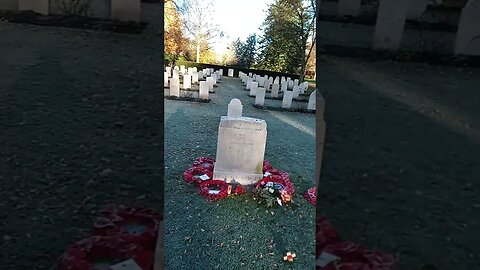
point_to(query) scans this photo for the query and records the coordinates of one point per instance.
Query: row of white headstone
(191, 76)
(258, 86)
(391, 16)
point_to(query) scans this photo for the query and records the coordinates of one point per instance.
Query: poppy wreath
(115, 222)
(311, 195)
(266, 166)
(278, 173)
(206, 186)
(354, 257)
(326, 234)
(277, 179)
(83, 254)
(193, 174)
(205, 162)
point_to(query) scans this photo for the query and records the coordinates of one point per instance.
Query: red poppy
(266, 166)
(205, 162)
(193, 174)
(137, 225)
(83, 254)
(311, 196)
(239, 190)
(213, 189)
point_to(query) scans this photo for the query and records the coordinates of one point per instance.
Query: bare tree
(197, 17)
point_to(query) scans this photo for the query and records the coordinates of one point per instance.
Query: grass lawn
(240, 231)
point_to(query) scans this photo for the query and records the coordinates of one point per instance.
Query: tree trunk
(198, 52)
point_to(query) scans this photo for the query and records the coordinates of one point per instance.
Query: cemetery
(233, 192)
(123, 16)
(438, 32)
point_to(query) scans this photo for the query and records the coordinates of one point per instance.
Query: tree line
(286, 44)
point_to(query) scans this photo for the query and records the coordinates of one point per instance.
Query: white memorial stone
(174, 87)
(287, 99)
(194, 77)
(38, 6)
(267, 85)
(210, 84)
(312, 101)
(390, 24)
(240, 149)
(176, 74)
(126, 10)
(200, 75)
(260, 96)
(235, 108)
(250, 74)
(277, 80)
(203, 92)
(468, 35)
(296, 92)
(253, 88)
(182, 69)
(284, 86)
(416, 8)
(290, 85)
(176, 68)
(230, 72)
(275, 88)
(190, 71)
(349, 7)
(270, 80)
(249, 83)
(169, 71)
(165, 79)
(187, 82)
(214, 77)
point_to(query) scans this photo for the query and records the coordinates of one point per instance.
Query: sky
(238, 19)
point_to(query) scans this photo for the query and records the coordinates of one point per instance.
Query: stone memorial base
(240, 150)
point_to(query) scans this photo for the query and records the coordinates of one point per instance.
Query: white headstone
(267, 85)
(277, 80)
(195, 69)
(200, 75)
(295, 82)
(165, 79)
(176, 74)
(270, 80)
(290, 85)
(249, 83)
(194, 77)
(230, 72)
(210, 84)
(416, 8)
(174, 87)
(296, 91)
(214, 77)
(312, 101)
(169, 71)
(253, 88)
(203, 92)
(287, 99)
(182, 68)
(240, 149)
(260, 96)
(390, 24)
(235, 108)
(38, 6)
(284, 86)
(126, 10)
(250, 74)
(175, 68)
(187, 82)
(275, 88)
(349, 7)
(468, 35)
(190, 70)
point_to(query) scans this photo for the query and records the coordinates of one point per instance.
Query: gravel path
(196, 229)
(401, 165)
(80, 127)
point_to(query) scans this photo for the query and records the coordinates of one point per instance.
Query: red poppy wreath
(205, 162)
(213, 189)
(197, 174)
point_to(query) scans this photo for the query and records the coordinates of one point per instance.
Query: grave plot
(221, 168)
(293, 97)
(116, 15)
(190, 85)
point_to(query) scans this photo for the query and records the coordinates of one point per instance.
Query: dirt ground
(401, 166)
(81, 116)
